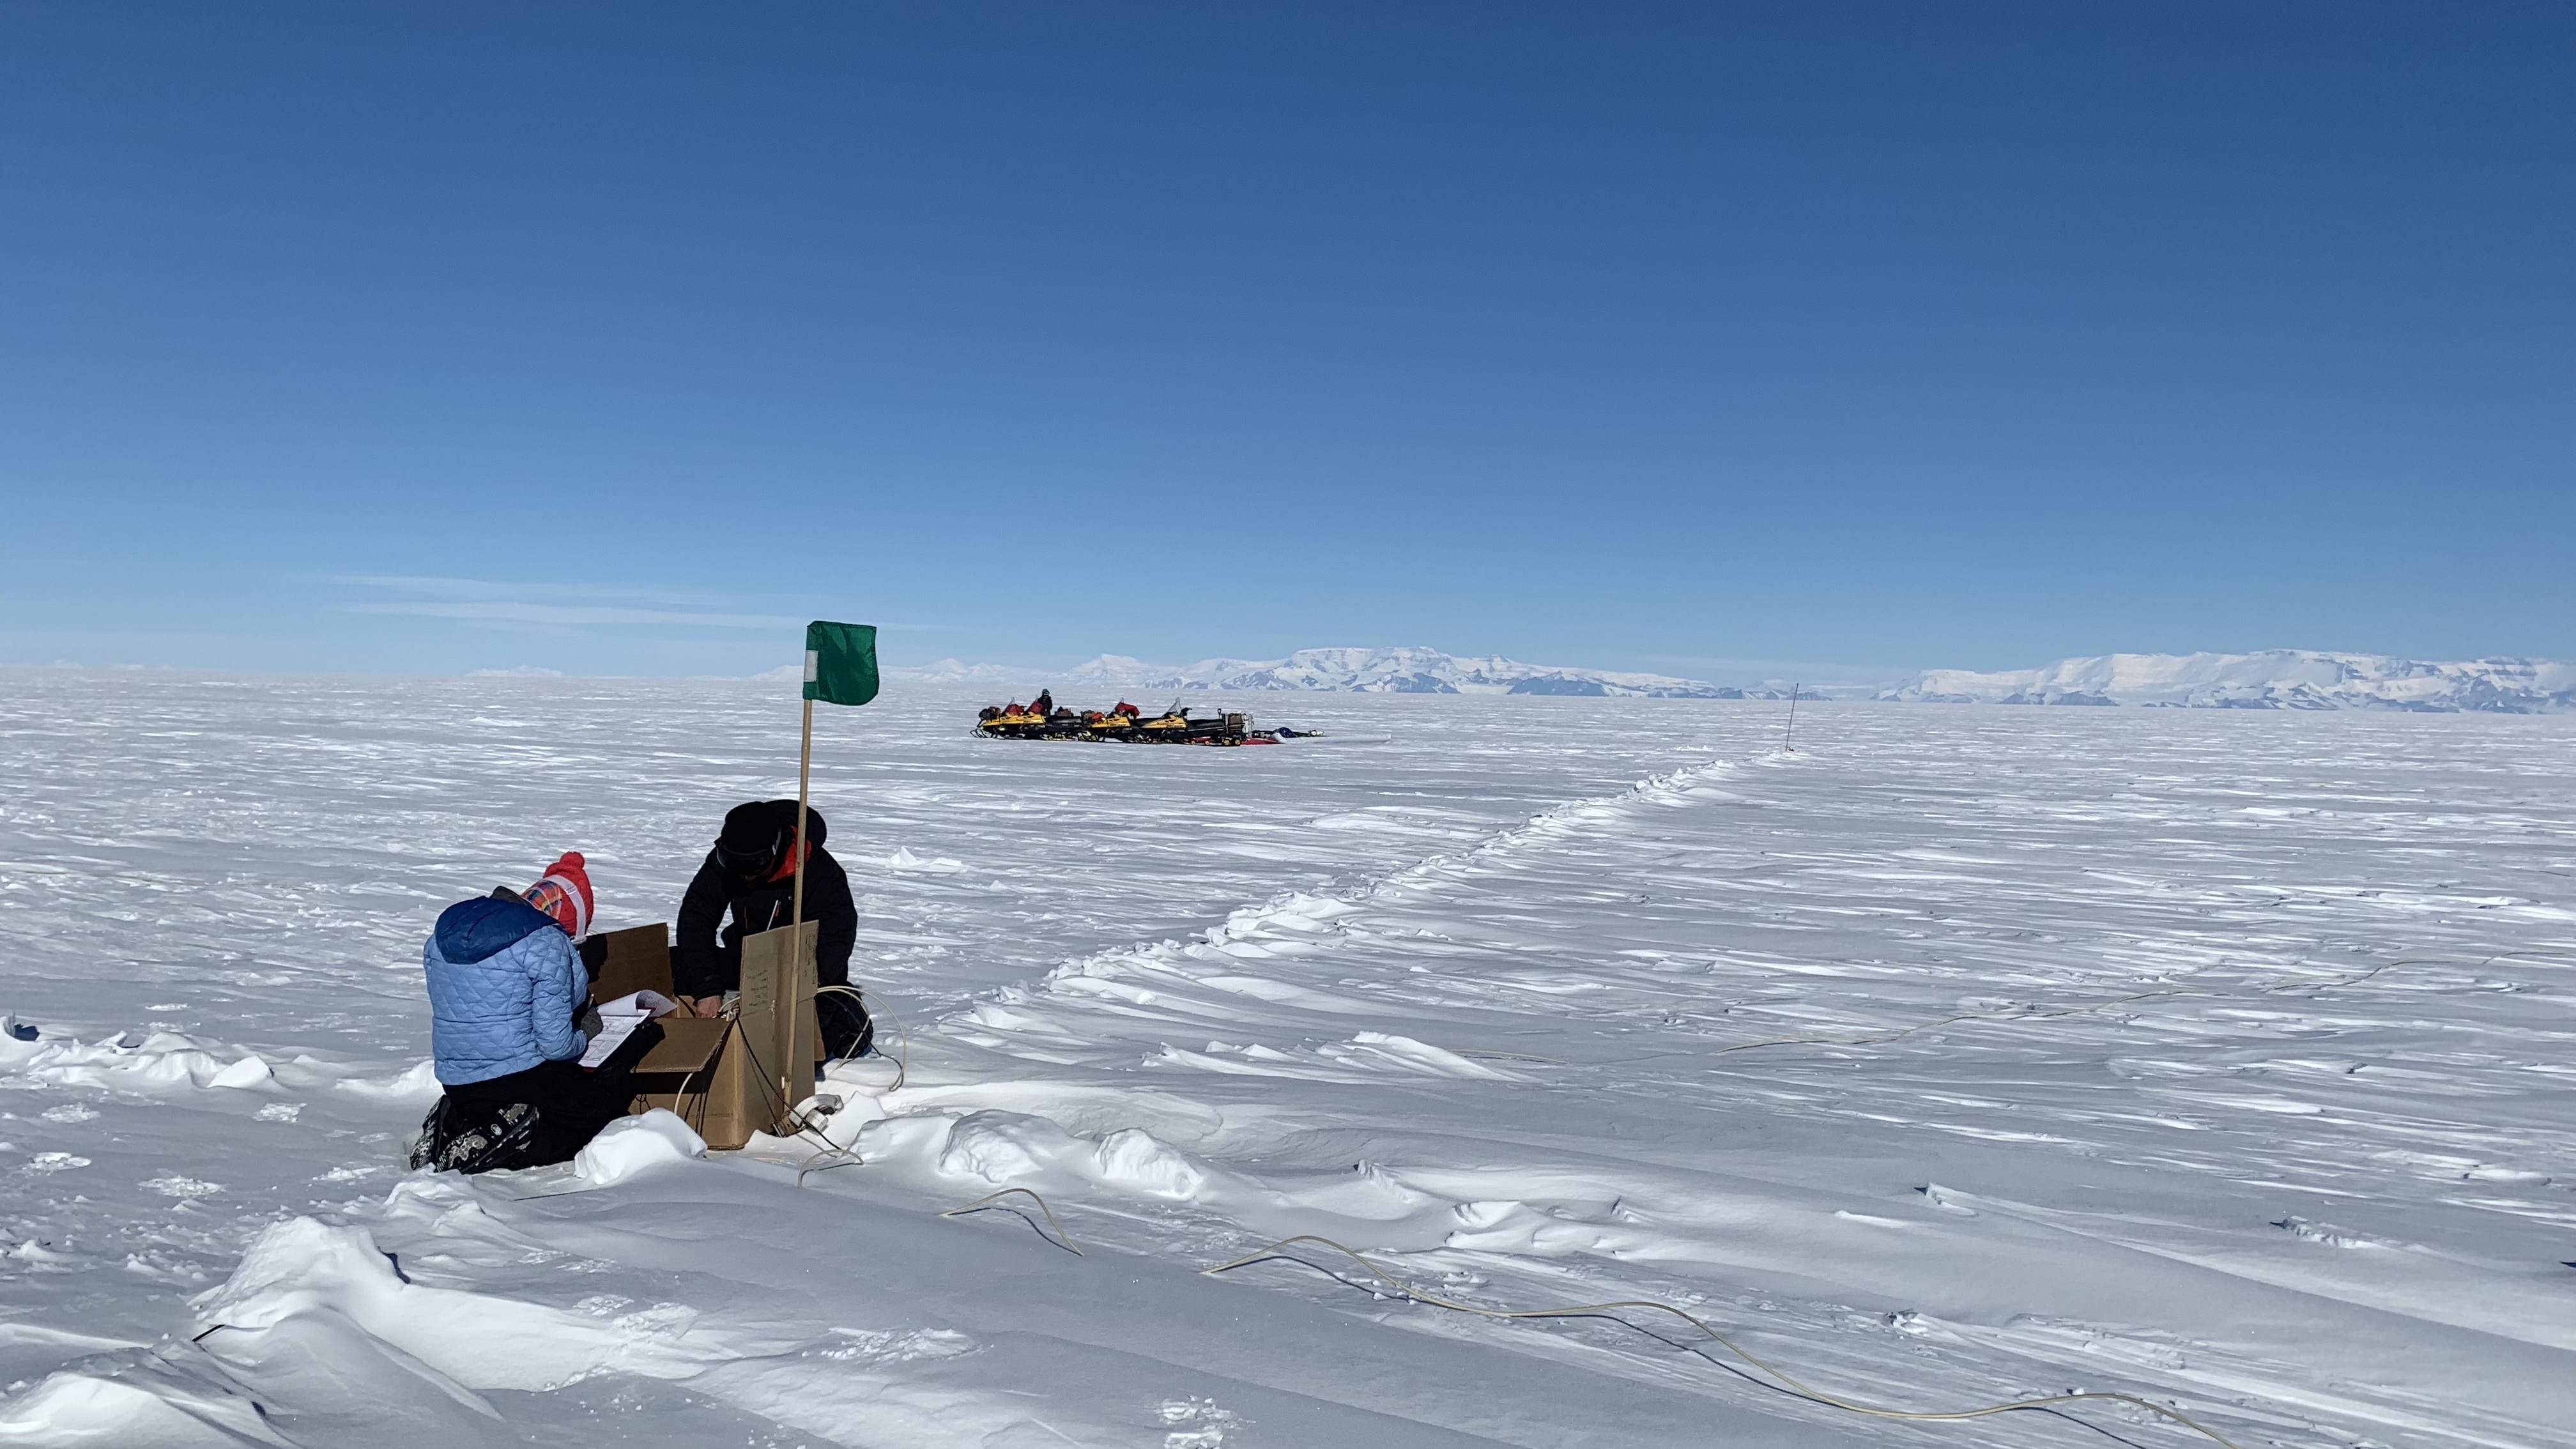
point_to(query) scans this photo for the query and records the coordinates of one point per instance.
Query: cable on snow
(1781, 1378)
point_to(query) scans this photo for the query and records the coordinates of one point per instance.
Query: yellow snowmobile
(1173, 726)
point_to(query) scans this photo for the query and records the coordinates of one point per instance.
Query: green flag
(840, 662)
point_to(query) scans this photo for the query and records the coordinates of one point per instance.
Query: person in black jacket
(751, 875)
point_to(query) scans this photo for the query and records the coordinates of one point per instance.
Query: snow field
(1963, 1055)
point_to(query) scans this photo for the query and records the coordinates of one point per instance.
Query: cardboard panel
(720, 1097)
(639, 959)
(808, 1046)
(689, 1044)
(737, 1100)
(723, 1102)
(776, 1016)
(767, 981)
(726, 1079)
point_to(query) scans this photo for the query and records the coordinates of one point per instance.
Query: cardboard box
(777, 1013)
(637, 959)
(718, 1075)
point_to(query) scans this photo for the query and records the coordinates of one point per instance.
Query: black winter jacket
(705, 962)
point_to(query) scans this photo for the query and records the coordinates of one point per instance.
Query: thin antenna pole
(804, 780)
(1784, 734)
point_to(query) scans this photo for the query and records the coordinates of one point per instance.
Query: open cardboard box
(714, 1073)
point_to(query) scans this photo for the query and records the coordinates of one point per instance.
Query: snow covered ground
(2223, 1058)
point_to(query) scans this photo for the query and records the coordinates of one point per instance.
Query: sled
(1176, 726)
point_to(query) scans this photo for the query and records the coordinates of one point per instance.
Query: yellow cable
(1793, 1385)
(1782, 1378)
(784, 1111)
(1586, 1310)
(2013, 1015)
(1061, 1235)
(808, 1166)
(903, 1039)
(2047, 1013)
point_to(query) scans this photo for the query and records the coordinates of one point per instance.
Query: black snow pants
(532, 1118)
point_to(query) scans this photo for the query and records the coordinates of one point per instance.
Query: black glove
(647, 1035)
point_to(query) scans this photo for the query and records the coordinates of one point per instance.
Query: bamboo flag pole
(804, 792)
(1784, 734)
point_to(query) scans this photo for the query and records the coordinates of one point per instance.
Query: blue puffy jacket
(504, 985)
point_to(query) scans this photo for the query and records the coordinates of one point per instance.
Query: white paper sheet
(618, 1020)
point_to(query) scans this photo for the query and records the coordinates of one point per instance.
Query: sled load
(1125, 724)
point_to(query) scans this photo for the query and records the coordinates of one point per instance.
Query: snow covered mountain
(946, 671)
(2270, 679)
(1402, 670)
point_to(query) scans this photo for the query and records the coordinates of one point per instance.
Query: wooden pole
(1784, 734)
(804, 783)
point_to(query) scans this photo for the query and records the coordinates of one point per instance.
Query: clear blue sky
(1723, 340)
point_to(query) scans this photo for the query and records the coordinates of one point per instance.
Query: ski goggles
(747, 859)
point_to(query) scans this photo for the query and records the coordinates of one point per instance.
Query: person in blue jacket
(507, 990)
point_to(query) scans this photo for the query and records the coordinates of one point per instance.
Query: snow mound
(250, 1071)
(1407, 1054)
(301, 1269)
(631, 1146)
(904, 860)
(71, 1408)
(162, 1062)
(1012, 1148)
(419, 1085)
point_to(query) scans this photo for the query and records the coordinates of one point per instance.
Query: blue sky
(1719, 340)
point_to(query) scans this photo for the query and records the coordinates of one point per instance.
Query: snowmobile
(1125, 724)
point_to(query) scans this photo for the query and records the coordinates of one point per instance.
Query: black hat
(751, 829)
(758, 831)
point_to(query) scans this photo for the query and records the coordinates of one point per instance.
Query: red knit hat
(564, 893)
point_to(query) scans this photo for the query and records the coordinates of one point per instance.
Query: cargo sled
(1125, 724)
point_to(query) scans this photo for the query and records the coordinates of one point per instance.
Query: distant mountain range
(2270, 679)
(1402, 670)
